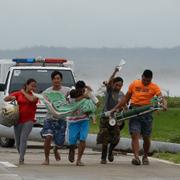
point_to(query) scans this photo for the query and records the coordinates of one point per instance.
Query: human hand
(107, 113)
(113, 110)
(13, 98)
(23, 91)
(88, 88)
(117, 68)
(94, 121)
(164, 106)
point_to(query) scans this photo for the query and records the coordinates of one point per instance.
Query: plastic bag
(9, 114)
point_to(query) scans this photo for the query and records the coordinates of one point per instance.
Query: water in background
(95, 65)
(95, 72)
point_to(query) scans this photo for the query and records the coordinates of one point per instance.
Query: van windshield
(42, 76)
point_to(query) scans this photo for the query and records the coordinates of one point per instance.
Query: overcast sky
(89, 23)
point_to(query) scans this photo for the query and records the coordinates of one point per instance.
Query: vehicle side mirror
(2, 87)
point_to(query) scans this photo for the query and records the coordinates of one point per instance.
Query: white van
(15, 72)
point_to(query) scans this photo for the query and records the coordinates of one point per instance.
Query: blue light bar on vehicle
(24, 60)
(40, 60)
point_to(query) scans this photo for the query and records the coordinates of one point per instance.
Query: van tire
(6, 142)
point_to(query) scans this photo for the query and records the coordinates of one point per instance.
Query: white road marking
(7, 164)
(10, 177)
(13, 175)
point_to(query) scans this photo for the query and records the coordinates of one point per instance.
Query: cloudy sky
(89, 23)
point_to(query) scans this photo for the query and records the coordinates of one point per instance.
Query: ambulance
(15, 72)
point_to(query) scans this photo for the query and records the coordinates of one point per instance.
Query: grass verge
(166, 127)
(168, 156)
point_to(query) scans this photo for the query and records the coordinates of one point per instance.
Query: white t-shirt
(64, 90)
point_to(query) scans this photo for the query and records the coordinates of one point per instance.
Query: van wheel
(6, 142)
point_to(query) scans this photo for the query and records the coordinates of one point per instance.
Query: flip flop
(145, 161)
(136, 161)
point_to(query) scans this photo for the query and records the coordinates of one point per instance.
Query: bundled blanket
(75, 111)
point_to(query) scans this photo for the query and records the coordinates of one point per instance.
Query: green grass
(168, 156)
(166, 125)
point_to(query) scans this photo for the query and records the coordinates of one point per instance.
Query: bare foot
(46, 162)
(57, 155)
(79, 163)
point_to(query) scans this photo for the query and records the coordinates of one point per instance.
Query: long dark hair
(30, 80)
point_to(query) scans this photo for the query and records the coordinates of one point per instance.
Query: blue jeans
(56, 129)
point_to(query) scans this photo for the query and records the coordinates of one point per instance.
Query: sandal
(136, 161)
(145, 160)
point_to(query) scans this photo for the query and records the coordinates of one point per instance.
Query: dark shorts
(56, 129)
(108, 134)
(141, 124)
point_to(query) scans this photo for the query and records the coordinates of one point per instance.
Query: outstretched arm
(109, 83)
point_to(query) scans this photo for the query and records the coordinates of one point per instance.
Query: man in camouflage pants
(110, 134)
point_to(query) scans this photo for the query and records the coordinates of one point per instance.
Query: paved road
(121, 168)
